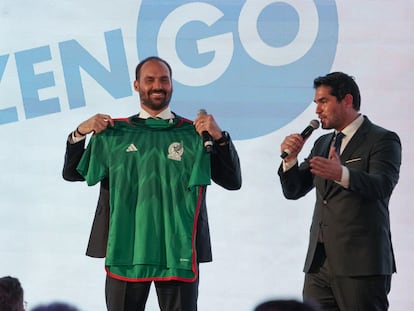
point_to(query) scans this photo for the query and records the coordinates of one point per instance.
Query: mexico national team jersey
(157, 171)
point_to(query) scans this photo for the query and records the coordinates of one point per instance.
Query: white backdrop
(259, 238)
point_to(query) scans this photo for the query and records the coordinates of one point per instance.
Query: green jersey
(157, 170)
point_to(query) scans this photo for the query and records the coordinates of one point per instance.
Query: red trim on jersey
(186, 120)
(122, 119)
(167, 278)
(194, 254)
(181, 120)
(195, 222)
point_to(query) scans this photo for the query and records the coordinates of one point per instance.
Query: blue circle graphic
(249, 63)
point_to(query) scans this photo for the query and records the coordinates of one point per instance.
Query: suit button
(325, 202)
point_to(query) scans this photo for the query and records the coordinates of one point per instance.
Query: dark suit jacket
(355, 221)
(225, 171)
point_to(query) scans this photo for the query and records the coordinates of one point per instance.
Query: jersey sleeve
(201, 172)
(93, 165)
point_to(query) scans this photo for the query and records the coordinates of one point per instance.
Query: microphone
(207, 140)
(313, 125)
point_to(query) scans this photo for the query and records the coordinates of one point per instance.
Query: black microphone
(313, 125)
(207, 140)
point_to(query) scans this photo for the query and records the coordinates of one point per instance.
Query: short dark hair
(341, 84)
(151, 58)
(11, 294)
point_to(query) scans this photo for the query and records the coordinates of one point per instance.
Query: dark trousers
(344, 293)
(132, 296)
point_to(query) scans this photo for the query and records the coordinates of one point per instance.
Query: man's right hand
(293, 143)
(96, 124)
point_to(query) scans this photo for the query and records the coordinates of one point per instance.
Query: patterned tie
(338, 141)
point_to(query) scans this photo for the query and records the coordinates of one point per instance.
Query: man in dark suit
(154, 84)
(350, 258)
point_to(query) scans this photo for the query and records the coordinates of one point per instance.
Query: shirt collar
(351, 128)
(165, 114)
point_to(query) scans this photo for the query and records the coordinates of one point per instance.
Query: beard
(157, 105)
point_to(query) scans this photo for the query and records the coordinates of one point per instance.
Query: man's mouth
(158, 93)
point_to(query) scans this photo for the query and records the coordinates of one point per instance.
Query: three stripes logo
(131, 148)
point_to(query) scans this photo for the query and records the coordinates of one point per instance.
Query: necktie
(338, 141)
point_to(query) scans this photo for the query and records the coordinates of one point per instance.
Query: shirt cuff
(345, 178)
(287, 165)
(72, 139)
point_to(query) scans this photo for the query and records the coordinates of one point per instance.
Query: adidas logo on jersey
(131, 148)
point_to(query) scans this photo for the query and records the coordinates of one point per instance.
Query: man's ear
(136, 85)
(349, 99)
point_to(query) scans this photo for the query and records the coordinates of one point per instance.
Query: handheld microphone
(313, 125)
(207, 140)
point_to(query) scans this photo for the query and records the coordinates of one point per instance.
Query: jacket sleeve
(376, 175)
(73, 154)
(225, 166)
(297, 181)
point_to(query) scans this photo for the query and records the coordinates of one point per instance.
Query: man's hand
(206, 122)
(96, 124)
(292, 144)
(330, 168)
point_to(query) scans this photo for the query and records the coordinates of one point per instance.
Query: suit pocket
(355, 163)
(353, 160)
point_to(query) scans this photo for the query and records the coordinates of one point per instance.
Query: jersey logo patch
(175, 151)
(131, 148)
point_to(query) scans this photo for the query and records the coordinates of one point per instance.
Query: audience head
(56, 306)
(285, 305)
(11, 294)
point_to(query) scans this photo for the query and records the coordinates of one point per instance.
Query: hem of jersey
(149, 279)
(173, 277)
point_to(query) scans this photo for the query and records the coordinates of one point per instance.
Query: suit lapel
(324, 152)
(356, 141)
(326, 146)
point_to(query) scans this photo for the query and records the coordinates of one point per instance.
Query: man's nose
(157, 84)
(318, 108)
